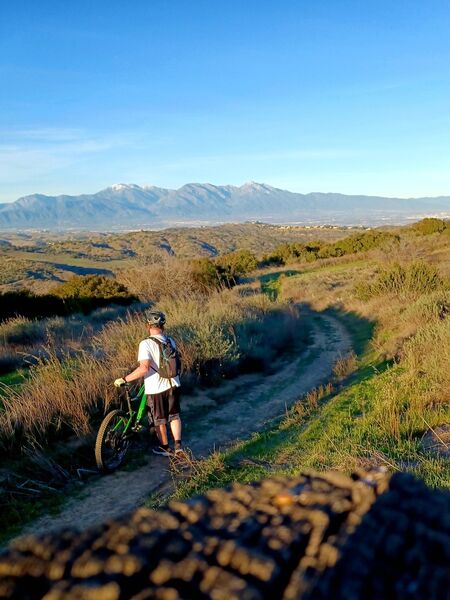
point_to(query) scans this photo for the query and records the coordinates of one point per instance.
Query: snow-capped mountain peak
(120, 187)
(129, 205)
(254, 186)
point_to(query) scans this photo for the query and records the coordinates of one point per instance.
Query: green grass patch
(15, 515)
(13, 378)
(315, 269)
(350, 428)
(343, 433)
(271, 283)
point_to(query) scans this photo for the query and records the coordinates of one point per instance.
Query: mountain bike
(117, 430)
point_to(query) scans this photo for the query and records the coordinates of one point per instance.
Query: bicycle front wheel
(112, 443)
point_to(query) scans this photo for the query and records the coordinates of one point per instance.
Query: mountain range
(129, 206)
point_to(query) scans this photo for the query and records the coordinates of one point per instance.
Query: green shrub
(410, 280)
(22, 331)
(293, 252)
(430, 225)
(236, 264)
(360, 242)
(207, 276)
(91, 286)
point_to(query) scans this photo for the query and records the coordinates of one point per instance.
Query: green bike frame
(134, 417)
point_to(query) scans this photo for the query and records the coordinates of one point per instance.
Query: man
(163, 394)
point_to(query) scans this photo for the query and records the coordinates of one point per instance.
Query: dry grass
(305, 406)
(161, 277)
(23, 331)
(59, 394)
(23, 341)
(65, 389)
(405, 281)
(314, 396)
(344, 366)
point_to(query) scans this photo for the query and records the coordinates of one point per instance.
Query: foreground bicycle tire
(112, 443)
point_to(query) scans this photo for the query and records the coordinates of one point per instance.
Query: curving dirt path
(213, 424)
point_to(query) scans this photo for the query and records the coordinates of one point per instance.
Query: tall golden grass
(23, 340)
(166, 277)
(64, 390)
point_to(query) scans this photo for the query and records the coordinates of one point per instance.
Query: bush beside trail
(237, 264)
(360, 242)
(404, 281)
(23, 341)
(91, 286)
(82, 294)
(173, 278)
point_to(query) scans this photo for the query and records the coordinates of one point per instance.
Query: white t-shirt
(149, 350)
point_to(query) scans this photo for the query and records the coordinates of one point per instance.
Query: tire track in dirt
(253, 401)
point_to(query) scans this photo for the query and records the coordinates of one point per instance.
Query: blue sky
(349, 96)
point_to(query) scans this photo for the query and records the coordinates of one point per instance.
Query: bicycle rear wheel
(112, 443)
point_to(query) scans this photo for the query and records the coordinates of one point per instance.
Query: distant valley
(39, 260)
(129, 206)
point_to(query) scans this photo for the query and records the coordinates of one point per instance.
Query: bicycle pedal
(137, 428)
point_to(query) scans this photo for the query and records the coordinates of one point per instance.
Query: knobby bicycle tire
(100, 442)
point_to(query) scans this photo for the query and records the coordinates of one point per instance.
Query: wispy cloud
(42, 135)
(28, 152)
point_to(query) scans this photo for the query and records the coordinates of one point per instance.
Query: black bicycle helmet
(156, 318)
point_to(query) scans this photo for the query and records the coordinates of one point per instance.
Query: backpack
(169, 359)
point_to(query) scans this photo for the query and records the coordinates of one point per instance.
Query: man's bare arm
(140, 371)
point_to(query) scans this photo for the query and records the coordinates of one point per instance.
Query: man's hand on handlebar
(120, 382)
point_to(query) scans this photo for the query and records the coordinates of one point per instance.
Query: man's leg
(161, 432)
(175, 428)
(174, 416)
(159, 420)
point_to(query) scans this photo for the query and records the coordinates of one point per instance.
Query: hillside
(41, 260)
(354, 375)
(125, 206)
(387, 403)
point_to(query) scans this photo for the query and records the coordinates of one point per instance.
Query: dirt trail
(233, 411)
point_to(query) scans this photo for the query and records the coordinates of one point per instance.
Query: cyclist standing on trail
(163, 393)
